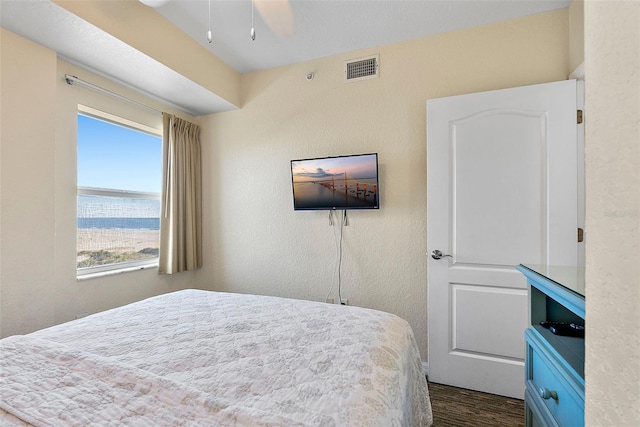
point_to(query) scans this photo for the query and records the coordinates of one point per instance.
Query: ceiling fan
(277, 14)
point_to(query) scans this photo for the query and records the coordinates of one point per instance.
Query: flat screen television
(341, 182)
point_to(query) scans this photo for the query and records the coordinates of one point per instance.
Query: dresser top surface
(569, 277)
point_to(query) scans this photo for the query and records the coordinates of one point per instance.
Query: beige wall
(38, 286)
(612, 68)
(256, 243)
(28, 199)
(576, 34)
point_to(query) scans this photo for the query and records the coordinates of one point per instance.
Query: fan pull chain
(209, 38)
(253, 30)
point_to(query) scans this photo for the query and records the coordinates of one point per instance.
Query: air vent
(361, 68)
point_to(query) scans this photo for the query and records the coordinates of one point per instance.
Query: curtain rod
(75, 80)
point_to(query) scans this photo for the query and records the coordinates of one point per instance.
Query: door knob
(437, 254)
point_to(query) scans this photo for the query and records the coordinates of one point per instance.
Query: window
(118, 203)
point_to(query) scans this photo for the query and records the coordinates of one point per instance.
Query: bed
(197, 357)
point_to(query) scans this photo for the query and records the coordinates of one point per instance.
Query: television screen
(342, 182)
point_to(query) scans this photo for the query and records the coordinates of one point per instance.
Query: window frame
(121, 267)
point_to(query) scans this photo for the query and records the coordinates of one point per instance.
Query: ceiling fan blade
(277, 14)
(154, 3)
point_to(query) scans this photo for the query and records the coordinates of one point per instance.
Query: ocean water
(123, 223)
(101, 212)
(320, 195)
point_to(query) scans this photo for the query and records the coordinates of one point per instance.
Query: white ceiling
(327, 27)
(320, 28)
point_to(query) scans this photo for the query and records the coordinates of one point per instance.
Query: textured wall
(612, 66)
(576, 34)
(26, 230)
(256, 243)
(38, 285)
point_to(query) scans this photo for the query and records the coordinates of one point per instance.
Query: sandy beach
(117, 240)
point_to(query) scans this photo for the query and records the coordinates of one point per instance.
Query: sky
(117, 157)
(359, 166)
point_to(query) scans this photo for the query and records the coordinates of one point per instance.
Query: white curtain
(181, 216)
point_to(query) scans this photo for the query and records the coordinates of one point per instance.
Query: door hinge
(580, 118)
(580, 235)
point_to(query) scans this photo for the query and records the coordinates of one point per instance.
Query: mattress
(197, 357)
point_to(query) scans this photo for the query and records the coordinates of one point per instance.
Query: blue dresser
(554, 364)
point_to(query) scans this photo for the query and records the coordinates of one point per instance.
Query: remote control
(567, 330)
(547, 323)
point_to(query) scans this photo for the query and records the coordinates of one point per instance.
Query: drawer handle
(546, 394)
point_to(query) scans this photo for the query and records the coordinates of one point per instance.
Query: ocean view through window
(118, 195)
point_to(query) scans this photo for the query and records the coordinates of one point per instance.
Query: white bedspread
(193, 357)
(41, 378)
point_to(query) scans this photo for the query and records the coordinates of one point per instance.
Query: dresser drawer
(551, 385)
(534, 414)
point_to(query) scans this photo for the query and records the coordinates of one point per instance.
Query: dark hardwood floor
(457, 407)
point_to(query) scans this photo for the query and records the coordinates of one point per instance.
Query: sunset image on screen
(349, 182)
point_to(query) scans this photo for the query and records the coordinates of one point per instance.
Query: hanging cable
(342, 224)
(338, 241)
(333, 276)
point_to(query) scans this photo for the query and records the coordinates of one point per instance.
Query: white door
(501, 190)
